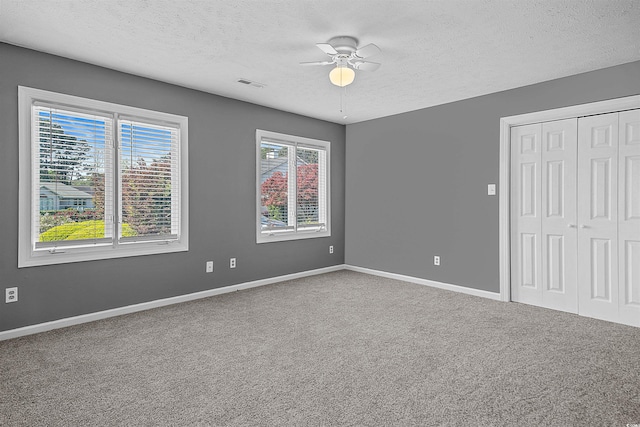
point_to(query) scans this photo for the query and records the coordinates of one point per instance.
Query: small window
(99, 180)
(292, 187)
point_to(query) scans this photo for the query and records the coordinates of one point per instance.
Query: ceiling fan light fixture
(342, 76)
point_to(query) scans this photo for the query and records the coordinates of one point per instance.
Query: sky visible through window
(64, 132)
(138, 142)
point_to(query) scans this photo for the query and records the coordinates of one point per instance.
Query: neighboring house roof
(267, 165)
(65, 191)
(86, 188)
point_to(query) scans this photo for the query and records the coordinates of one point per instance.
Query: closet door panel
(575, 213)
(598, 216)
(559, 231)
(526, 256)
(629, 216)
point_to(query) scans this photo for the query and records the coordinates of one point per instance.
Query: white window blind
(277, 204)
(72, 191)
(99, 180)
(292, 192)
(311, 188)
(148, 182)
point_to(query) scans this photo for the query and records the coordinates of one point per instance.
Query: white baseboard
(426, 282)
(76, 320)
(90, 317)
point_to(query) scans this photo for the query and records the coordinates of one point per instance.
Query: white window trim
(27, 255)
(298, 234)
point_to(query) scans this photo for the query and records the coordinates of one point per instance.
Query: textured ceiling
(434, 51)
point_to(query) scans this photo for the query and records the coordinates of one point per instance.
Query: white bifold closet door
(629, 216)
(576, 215)
(598, 216)
(543, 262)
(609, 211)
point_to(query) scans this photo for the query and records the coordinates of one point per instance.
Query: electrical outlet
(11, 295)
(232, 263)
(331, 249)
(209, 268)
(436, 260)
(491, 189)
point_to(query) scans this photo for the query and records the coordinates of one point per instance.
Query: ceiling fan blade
(365, 65)
(316, 63)
(327, 48)
(367, 51)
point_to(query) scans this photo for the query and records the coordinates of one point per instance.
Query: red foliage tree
(307, 176)
(146, 196)
(274, 192)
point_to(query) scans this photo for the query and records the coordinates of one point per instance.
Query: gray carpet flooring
(337, 349)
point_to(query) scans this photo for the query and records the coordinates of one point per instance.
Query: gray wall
(416, 183)
(222, 196)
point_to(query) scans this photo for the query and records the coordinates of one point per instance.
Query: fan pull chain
(343, 102)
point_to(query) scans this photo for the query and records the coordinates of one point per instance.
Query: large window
(292, 187)
(99, 180)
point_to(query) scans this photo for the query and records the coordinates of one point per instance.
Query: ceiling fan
(344, 52)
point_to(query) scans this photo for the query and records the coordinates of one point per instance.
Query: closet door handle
(572, 226)
(584, 226)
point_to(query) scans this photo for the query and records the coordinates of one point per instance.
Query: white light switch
(491, 189)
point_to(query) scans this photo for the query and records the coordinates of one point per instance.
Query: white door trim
(600, 107)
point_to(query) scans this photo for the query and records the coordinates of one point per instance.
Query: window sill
(70, 255)
(282, 237)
